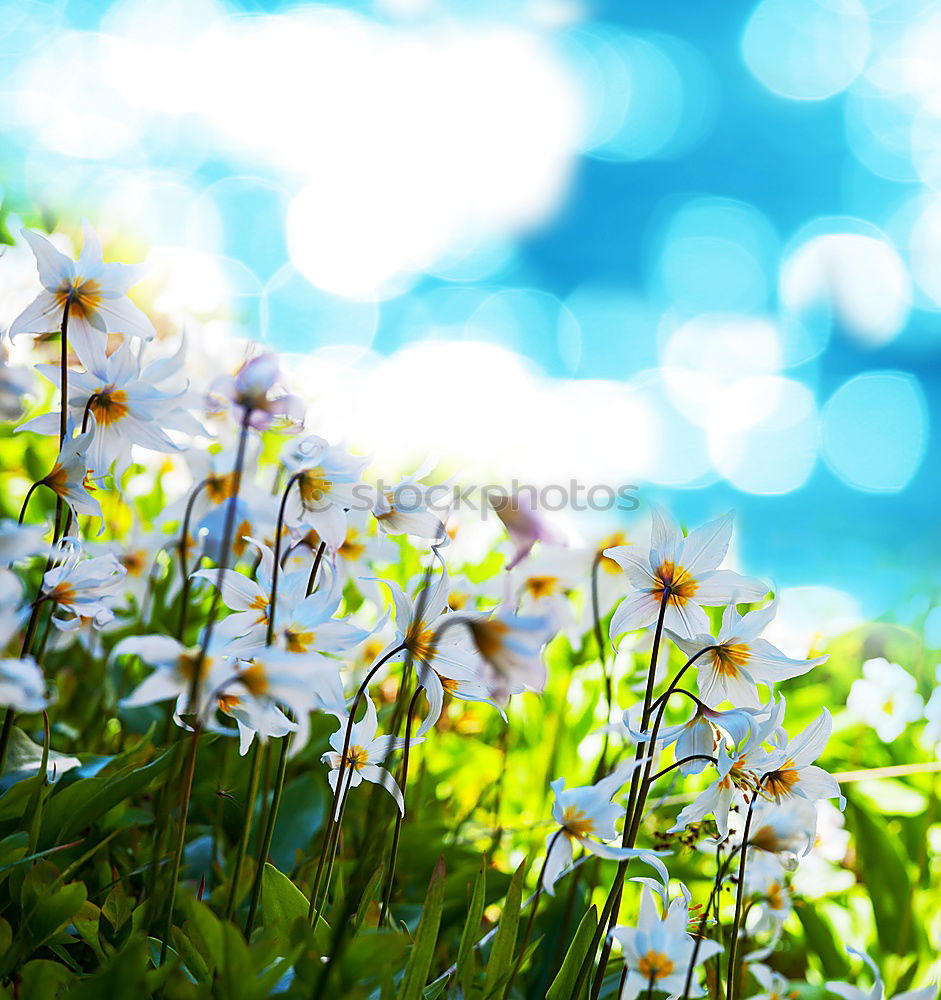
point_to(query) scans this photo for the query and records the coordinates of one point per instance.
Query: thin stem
(227, 532)
(189, 770)
(331, 821)
(403, 780)
(182, 546)
(64, 371)
(26, 499)
(635, 806)
(318, 559)
(530, 923)
(680, 763)
(602, 655)
(730, 979)
(276, 569)
(197, 673)
(253, 778)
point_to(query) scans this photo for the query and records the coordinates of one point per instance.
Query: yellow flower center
(607, 563)
(296, 641)
(654, 965)
(775, 896)
(134, 561)
(489, 636)
(576, 823)
(676, 580)
(781, 782)
(542, 586)
(260, 603)
(219, 488)
(313, 486)
(351, 548)
(109, 405)
(188, 662)
(357, 758)
(85, 295)
(255, 679)
(57, 480)
(421, 641)
(729, 658)
(62, 593)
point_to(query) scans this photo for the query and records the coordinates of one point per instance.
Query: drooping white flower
(22, 685)
(586, 816)
(877, 992)
(439, 644)
(408, 508)
(96, 293)
(886, 698)
(365, 757)
(253, 393)
(19, 541)
(658, 951)
(741, 660)
(739, 769)
(511, 646)
(83, 589)
(524, 524)
(774, 986)
(175, 666)
(701, 734)
(328, 485)
(127, 409)
(69, 478)
(682, 572)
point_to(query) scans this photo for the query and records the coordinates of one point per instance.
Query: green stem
(189, 770)
(635, 805)
(530, 923)
(731, 981)
(331, 820)
(253, 780)
(393, 854)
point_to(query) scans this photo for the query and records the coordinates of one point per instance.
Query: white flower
(511, 646)
(327, 487)
(774, 985)
(439, 643)
(683, 572)
(878, 988)
(885, 697)
(404, 509)
(69, 478)
(174, 668)
(22, 685)
(794, 772)
(741, 661)
(98, 293)
(586, 816)
(18, 541)
(524, 524)
(83, 588)
(364, 757)
(739, 770)
(657, 952)
(302, 623)
(253, 393)
(127, 409)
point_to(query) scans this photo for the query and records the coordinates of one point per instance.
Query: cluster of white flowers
(279, 560)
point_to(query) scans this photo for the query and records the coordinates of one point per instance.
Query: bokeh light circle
(875, 429)
(807, 50)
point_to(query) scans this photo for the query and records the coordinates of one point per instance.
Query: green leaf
(282, 903)
(500, 963)
(885, 874)
(369, 894)
(419, 962)
(564, 983)
(45, 913)
(436, 989)
(821, 941)
(464, 967)
(84, 802)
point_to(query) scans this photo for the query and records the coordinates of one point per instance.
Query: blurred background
(694, 247)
